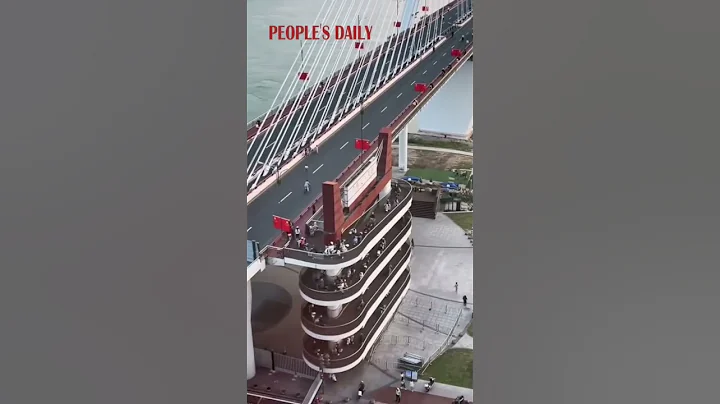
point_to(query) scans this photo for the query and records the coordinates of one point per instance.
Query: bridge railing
(423, 98)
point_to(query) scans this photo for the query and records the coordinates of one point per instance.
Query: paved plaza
(432, 317)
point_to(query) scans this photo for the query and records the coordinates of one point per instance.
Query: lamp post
(362, 113)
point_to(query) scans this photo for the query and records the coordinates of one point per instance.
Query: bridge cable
(392, 61)
(390, 52)
(283, 107)
(271, 157)
(362, 65)
(272, 105)
(363, 92)
(254, 159)
(305, 125)
(318, 97)
(329, 94)
(310, 75)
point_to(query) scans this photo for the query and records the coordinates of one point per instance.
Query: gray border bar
(122, 219)
(597, 226)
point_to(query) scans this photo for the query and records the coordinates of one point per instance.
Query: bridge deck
(326, 103)
(450, 111)
(288, 199)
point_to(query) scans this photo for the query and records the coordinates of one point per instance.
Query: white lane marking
(285, 197)
(249, 228)
(366, 125)
(412, 84)
(444, 53)
(383, 110)
(319, 167)
(425, 72)
(434, 63)
(341, 147)
(399, 95)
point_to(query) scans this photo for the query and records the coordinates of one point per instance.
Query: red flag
(456, 52)
(359, 45)
(303, 76)
(277, 222)
(425, 8)
(362, 144)
(397, 24)
(282, 224)
(420, 87)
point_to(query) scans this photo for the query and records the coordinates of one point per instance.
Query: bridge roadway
(343, 73)
(324, 101)
(288, 199)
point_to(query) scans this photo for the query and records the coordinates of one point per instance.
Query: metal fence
(283, 363)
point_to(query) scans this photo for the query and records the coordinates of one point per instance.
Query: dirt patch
(434, 159)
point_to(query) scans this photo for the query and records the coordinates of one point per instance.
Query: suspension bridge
(339, 91)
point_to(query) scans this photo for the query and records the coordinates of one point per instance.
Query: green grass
(464, 219)
(433, 174)
(454, 367)
(442, 144)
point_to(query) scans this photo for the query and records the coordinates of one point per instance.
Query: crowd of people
(354, 342)
(354, 236)
(336, 349)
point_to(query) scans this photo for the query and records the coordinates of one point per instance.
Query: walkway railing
(308, 287)
(335, 362)
(355, 252)
(361, 314)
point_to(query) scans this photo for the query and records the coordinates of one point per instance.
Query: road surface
(288, 199)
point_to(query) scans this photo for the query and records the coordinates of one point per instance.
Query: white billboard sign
(357, 185)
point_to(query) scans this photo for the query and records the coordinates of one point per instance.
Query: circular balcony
(316, 321)
(313, 289)
(317, 259)
(319, 355)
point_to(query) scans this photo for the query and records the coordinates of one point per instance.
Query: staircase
(425, 203)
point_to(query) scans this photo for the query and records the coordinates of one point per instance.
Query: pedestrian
(398, 393)
(464, 300)
(456, 287)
